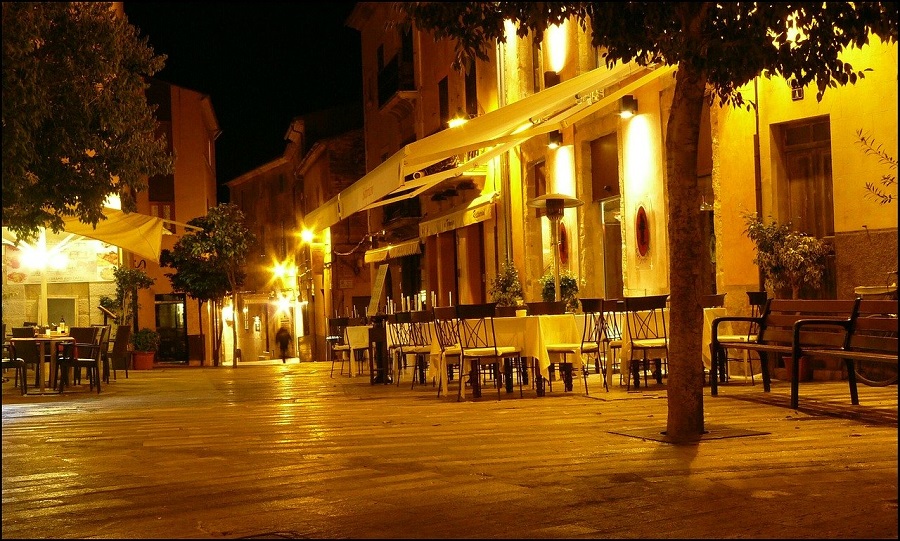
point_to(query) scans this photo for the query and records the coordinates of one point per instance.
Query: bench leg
(851, 379)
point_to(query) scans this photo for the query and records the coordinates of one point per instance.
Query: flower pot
(142, 360)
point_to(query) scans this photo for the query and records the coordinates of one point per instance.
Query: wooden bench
(776, 336)
(871, 336)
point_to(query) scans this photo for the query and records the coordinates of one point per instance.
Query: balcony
(396, 88)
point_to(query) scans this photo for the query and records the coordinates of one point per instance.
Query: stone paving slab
(270, 450)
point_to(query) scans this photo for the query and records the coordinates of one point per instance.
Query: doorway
(171, 324)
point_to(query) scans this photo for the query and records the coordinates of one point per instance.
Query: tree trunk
(685, 379)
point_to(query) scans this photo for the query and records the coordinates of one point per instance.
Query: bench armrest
(715, 325)
(797, 348)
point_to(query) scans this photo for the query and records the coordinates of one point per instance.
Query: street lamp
(554, 204)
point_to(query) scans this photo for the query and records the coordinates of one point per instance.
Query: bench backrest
(875, 327)
(779, 316)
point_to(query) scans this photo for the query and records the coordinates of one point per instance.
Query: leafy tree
(195, 275)
(787, 258)
(888, 180)
(717, 47)
(210, 263)
(76, 124)
(128, 281)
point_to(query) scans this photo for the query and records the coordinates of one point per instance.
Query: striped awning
(393, 251)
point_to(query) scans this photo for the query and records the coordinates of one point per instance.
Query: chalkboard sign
(377, 289)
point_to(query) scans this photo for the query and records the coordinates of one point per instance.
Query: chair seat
(645, 343)
(500, 351)
(567, 347)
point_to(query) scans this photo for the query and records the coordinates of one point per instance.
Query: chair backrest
(645, 318)
(446, 328)
(757, 300)
(543, 308)
(507, 311)
(712, 301)
(613, 314)
(420, 327)
(84, 335)
(398, 326)
(476, 326)
(120, 345)
(23, 332)
(30, 324)
(336, 330)
(592, 305)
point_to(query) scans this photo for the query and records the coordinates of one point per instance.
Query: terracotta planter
(142, 360)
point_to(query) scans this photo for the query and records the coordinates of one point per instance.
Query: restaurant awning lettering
(393, 251)
(478, 210)
(481, 139)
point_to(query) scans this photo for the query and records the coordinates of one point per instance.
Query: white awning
(478, 210)
(140, 234)
(402, 249)
(481, 139)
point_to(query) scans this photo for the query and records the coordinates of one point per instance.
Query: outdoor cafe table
(46, 346)
(709, 314)
(530, 335)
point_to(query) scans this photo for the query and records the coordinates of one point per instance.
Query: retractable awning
(402, 249)
(478, 141)
(478, 210)
(140, 234)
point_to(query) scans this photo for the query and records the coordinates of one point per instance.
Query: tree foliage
(788, 259)
(128, 282)
(506, 289)
(209, 263)
(717, 48)
(76, 123)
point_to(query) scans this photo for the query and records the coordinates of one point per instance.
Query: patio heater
(554, 204)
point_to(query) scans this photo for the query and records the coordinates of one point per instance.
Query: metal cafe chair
(12, 361)
(421, 322)
(478, 343)
(340, 349)
(446, 332)
(756, 301)
(646, 334)
(713, 301)
(398, 328)
(613, 311)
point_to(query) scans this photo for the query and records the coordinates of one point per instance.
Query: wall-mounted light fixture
(458, 120)
(628, 106)
(551, 78)
(556, 139)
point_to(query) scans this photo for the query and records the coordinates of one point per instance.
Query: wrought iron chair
(12, 361)
(340, 349)
(479, 346)
(756, 300)
(647, 335)
(421, 322)
(446, 332)
(613, 311)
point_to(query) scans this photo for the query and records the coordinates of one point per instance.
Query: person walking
(283, 337)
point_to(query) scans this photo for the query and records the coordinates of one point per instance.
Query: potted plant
(506, 289)
(145, 343)
(787, 258)
(568, 289)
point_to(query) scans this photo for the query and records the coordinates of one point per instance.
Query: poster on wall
(79, 261)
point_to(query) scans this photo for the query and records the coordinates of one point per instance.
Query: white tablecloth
(530, 335)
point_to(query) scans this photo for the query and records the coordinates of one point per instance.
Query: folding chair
(478, 343)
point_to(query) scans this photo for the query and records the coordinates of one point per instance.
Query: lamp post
(554, 204)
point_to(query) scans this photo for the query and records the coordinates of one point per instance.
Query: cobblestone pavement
(270, 450)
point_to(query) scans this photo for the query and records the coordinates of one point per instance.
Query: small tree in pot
(506, 289)
(145, 343)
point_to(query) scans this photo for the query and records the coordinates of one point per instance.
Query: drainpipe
(757, 168)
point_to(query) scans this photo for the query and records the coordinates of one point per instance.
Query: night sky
(262, 64)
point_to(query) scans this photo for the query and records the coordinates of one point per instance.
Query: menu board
(377, 289)
(79, 261)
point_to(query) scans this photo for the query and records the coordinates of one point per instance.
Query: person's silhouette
(283, 337)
